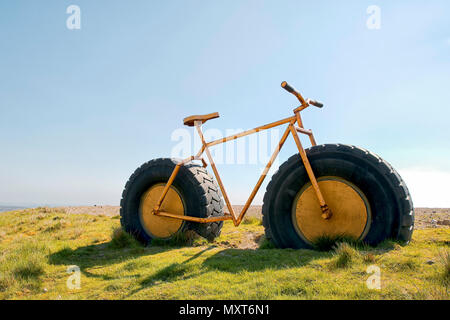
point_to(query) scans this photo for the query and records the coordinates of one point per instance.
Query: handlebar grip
(292, 90)
(287, 87)
(315, 103)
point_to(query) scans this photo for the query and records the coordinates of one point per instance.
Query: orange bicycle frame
(295, 126)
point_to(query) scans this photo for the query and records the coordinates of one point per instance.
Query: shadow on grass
(103, 254)
(174, 271)
(226, 260)
(237, 260)
(269, 257)
(232, 261)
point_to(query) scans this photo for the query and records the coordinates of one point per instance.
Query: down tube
(263, 175)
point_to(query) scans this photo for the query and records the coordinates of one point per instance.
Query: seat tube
(216, 172)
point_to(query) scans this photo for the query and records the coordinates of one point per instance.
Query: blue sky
(81, 109)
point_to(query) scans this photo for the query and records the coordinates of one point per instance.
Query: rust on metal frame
(291, 128)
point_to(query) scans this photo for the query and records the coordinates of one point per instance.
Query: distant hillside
(10, 208)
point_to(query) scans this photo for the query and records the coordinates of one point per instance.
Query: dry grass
(369, 258)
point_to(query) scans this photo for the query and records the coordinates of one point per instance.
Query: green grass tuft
(180, 239)
(113, 287)
(252, 220)
(444, 257)
(409, 264)
(31, 259)
(390, 244)
(6, 281)
(265, 243)
(121, 239)
(54, 227)
(29, 268)
(328, 243)
(23, 266)
(345, 255)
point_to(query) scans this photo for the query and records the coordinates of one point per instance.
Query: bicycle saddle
(189, 121)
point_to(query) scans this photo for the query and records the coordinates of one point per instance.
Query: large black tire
(392, 212)
(197, 188)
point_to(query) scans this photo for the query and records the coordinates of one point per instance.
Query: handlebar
(288, 88)
(315, 103)
(292, 90)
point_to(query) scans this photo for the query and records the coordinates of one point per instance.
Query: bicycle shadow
(101, 255)
(238, 260)
(233, 261)
(230, 260)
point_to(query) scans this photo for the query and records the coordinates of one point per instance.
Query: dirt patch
(432, 218)
(109, 211)
(253, 211)
(250, 240)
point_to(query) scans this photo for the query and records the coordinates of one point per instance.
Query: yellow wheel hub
(157, 226)
(350, 208)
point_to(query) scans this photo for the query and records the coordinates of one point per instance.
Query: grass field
(37, 246)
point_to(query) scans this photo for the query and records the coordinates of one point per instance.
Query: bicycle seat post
(198, 125)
